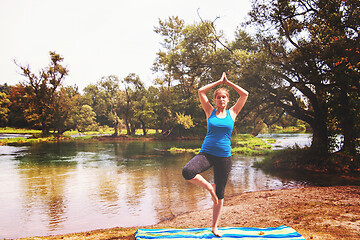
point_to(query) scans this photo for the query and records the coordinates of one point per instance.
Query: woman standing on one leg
(216, 148)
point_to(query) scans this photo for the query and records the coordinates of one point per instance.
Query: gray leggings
(204, 161)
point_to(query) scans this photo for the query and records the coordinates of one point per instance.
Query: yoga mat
(245, 233)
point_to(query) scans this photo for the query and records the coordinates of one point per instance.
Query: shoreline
(314, 212)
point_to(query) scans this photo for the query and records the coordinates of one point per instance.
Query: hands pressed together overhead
(224, 79)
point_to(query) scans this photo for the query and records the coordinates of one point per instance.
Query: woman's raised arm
(208, 108)
(234, 110)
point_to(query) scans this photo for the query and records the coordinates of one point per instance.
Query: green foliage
(65, 105)
(133, 94)
(190, 58)
(297, 158)
(105, 98)
(145, 113)
(85, 119)
(301, 69)
(184, 120)
(4, 108)
(38, 96)
(312, 71)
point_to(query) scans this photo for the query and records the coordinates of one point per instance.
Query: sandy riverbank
(315, 212)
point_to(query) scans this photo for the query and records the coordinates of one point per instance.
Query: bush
(308, 159)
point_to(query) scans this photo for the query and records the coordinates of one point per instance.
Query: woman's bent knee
(187, 173)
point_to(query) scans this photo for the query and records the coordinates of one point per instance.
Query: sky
(98, 38)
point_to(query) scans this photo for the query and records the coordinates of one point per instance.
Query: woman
(216, 148)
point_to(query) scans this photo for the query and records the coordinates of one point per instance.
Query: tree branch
(214, 31)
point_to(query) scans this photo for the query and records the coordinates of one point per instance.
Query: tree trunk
(44, 128)
(143, 126)
(132, 129)
(116, 125)
(320, 141)
(128, 132)
(347, 122)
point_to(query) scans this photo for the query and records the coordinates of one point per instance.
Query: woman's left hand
(224, 79)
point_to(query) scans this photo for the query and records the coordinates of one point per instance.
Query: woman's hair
(224, 90)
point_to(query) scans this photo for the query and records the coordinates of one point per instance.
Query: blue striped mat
(282, 232)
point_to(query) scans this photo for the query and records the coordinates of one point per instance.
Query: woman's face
(221, 100)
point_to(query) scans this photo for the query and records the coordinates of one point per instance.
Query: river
(58, 188)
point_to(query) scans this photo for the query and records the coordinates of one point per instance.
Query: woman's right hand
(224, 79)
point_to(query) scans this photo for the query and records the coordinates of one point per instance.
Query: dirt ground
(315, 212)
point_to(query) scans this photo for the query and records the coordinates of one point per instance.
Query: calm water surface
(48, 189)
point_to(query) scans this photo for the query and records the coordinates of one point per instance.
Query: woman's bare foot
(216, 232)
(213, 193)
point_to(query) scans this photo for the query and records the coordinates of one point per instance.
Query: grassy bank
(8, 130)
(244, 144)
(67, 136)
(249, 145)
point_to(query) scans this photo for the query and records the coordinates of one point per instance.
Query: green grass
(24, 141)
(183, 150)
(102, 130)
(9, 130)
(36, 135)
(248, 140)
(250, 151)
(247, 144)
(242, 144)
(107, 130)
(270, 140)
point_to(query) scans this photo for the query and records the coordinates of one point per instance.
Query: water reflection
(44, 172)
(43, 194)
(284, 140)
(61, 188)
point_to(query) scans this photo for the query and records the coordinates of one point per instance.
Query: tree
(16, 115)
(248, 64)
(85, 119)
(92, 98)
(163, 101)
(190, 58)
(40, 92)
(65, 107)
(105, 97)
(314, 53)
(134, 92)
(4, 108)
(144, 112)
(110, 93)
(194, 55)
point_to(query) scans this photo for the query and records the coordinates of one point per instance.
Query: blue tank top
(218, 137)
